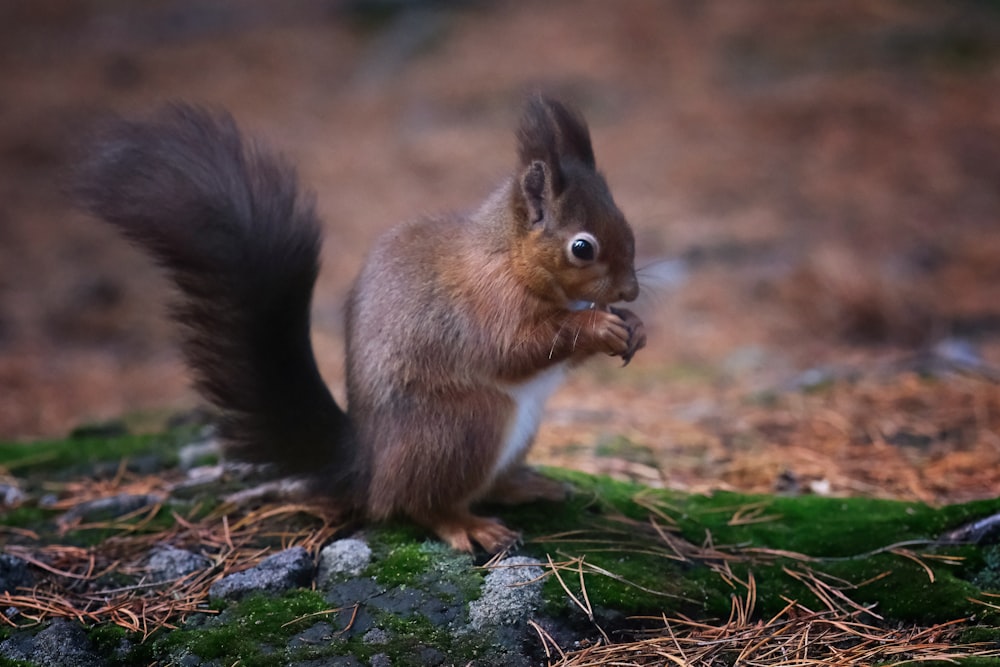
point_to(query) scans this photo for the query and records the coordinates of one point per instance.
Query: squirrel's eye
(583, 248)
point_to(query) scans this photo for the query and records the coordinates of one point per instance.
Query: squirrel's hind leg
(521, 485)
(432, 456)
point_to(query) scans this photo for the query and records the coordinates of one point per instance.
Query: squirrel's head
(574, 245)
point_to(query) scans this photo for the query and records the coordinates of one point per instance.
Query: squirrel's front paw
(637, 332)
(608, 332)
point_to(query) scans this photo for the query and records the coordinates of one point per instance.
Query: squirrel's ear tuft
(572, 132)
(550, 132)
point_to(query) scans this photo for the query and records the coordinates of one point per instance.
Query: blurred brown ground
(823, 179)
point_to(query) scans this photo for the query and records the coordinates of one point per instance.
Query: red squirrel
(459, 327)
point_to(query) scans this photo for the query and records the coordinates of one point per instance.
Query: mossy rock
(622, 557)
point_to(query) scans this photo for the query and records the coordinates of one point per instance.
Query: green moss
(410, 633)
(253, 631)
(981, 633)
(120, 647)
(987, 572)
(256, 631)
(28, 516)
(818, 526)
(398, 555)
(847, 540)
(604, 531)
(451, 569)
(71, 455)
(587, 526)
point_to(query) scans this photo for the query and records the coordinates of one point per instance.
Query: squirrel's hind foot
(462, 529)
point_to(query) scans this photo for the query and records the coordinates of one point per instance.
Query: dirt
(813, 188)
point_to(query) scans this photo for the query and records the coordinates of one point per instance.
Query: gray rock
(343, 558)
(319, 634)
(167, 563)
(103, 508)
(14, 573)
(62, 644)
(812, 379)
(376, 637)
(284, 570)
(430, 656)
(507, 597)
(381, 660)
(191, 454)
(18, 646)
(331, 661)
(405, 602)
(352, 591)
(11, 493)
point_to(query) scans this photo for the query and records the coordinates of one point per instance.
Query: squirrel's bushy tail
(226, 219)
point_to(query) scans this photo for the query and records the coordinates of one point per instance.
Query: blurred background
(815, 190)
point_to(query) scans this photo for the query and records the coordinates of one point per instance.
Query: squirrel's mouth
(582, 305)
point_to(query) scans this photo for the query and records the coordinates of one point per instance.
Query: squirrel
(458, 327)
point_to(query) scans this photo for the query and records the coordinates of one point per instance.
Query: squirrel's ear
(536, 188)
(538, 142)
(549, 133)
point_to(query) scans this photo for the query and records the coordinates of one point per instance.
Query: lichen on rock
(511, 592)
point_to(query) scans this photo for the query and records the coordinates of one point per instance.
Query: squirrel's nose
(630, 288)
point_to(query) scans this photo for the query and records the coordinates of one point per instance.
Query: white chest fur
(529, 397)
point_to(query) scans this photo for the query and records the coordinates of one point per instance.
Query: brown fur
(447, 320)
(474, 303)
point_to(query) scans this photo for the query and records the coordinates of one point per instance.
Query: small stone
(343, 558)
(813, 379)
(376, 637)
(14, 574)
(167, 563)
(284, 570)
(11, 494)
(19, 646)
(319, 634)
(430, 656)
(113, 506)
(788, 483)
(381, 660)
(195, 453)
(820, 487)
(189, 660)
(62, 644)
(507, 596)
(959, 352)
